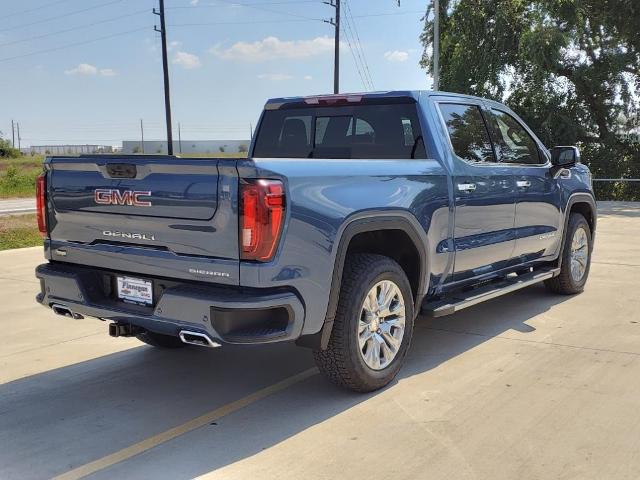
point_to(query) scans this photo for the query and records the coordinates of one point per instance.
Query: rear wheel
(576, 258)
(373, 325)
(159, 340)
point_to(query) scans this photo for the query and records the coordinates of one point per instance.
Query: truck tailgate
(128, 206)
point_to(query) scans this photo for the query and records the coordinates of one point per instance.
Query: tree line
(569, 68)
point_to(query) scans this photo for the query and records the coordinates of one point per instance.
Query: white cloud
(82, 69)
(187, 60)
(275, 77)
(308, 77)
(90, 70)
(174, 44)
(397, 56)
(194, 2)
(272, 48)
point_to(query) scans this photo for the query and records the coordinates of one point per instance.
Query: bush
(14, 183)
(7, 151)
(620, 160)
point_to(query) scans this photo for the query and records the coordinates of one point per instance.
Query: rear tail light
(261, 219)
(41, 204)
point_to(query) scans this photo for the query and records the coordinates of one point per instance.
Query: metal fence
(626, 189)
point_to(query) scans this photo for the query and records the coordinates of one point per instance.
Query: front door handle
(523, 183)
(466, 187)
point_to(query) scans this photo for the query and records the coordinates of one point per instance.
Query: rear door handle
(466, 187)
(523, 183)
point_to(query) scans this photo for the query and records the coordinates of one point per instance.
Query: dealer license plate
(135, 290)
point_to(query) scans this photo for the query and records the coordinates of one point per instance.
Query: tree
(6, 149)
(570, 68)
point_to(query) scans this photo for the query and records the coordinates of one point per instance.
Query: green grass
(19, 231)
(18, 176)
(26, 161)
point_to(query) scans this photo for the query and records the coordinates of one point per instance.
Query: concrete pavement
(13, 206)
(528, 386)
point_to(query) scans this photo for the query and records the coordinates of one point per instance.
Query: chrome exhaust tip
(64, 311)
(197, 338)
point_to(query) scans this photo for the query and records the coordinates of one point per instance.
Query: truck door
(484, 195)
(537, 193)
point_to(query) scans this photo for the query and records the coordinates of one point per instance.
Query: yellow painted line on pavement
(201, 421)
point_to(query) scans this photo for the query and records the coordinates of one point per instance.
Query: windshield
(362, 131)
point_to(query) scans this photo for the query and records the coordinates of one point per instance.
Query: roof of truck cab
(390, 94)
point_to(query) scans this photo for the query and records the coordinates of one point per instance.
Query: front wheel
(373, 325)
(576, 258)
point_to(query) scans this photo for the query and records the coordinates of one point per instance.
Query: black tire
(342, 361)
(564, 283)
(159, 340)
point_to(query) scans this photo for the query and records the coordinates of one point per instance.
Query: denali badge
(112, 196)
(133, 236)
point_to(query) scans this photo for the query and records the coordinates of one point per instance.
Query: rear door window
(362, 131)
(468, 132)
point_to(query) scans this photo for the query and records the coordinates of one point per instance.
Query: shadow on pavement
(58, 420)
(619, 209)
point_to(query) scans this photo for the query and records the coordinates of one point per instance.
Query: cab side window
(513, 143)
(467, 131)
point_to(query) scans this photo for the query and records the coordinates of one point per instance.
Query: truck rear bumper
(225, 314)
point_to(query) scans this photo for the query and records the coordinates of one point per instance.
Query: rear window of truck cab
(361, 131)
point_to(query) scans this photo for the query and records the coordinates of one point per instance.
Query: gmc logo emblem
(109, 196)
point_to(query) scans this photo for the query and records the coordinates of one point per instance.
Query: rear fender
(361, 223)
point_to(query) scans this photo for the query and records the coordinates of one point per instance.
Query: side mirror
(565, 156)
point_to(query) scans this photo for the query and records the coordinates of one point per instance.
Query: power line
(257, 7)
(389, 14)
(69, 45)
(290, 2)
(33, 9)
(355, 60)
(309, 19)
(355, 52)
(50, 19)
(80, 27)
(204, 24)
(363, 58)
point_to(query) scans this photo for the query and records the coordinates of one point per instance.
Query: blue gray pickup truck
(351, 215)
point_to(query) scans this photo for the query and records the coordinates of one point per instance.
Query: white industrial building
(66, 149)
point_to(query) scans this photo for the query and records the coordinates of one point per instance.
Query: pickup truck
(351, 215)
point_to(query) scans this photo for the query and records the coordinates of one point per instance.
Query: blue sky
(87, 71)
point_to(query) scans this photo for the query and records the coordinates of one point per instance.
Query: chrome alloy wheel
(381, 325)
(579, 254)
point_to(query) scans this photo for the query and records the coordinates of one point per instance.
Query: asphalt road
(12, 206)
(529, 386)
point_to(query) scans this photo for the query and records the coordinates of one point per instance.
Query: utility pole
(141, 136)
(179, 138)
(13, 135)
(336, 55)
(436, 44)
(165, 68)
(18, 131)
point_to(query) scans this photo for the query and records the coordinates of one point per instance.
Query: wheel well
(395, 244)
(585, 209)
